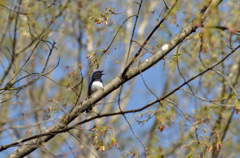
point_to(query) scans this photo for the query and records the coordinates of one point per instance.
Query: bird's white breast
(95, 86)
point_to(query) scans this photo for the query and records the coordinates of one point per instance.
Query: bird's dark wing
(89, 93)
(89, 88)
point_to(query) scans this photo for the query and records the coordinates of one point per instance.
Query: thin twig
(127, 8)
(20, 103)
(133, 31)
(82, 143)
(117, 33)
(129, 123)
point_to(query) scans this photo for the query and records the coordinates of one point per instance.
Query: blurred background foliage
(191, 122)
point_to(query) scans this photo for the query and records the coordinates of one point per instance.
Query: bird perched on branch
(95, 84)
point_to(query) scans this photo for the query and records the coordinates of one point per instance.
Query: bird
(95, 84)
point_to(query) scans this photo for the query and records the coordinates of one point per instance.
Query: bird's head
(97, 74)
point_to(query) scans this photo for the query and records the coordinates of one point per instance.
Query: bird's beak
(101, 72)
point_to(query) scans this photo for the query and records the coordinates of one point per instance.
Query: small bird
(95, 84)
